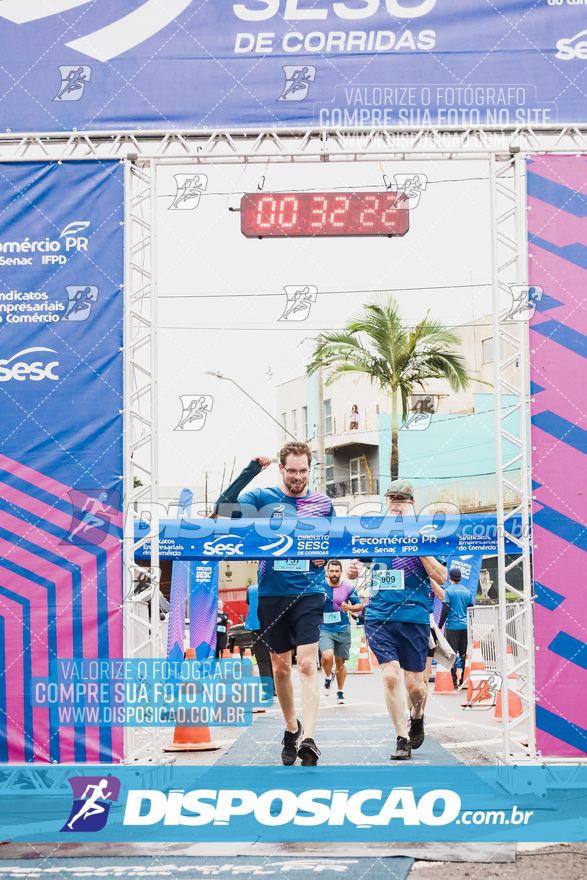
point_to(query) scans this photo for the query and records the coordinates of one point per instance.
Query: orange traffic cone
(226, 655)
(479, 694)
(467, 670)
(364, 666)
(236, 653)
(373, 659)
(443, 683)
(514, 702)
(192, 739)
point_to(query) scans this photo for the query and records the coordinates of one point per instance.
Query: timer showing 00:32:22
(287, 215)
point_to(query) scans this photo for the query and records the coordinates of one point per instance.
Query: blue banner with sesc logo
(78, 64)
(61, 313)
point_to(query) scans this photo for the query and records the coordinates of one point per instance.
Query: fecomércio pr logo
(92, 798)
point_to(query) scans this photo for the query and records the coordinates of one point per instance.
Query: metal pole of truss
(141, 622)
(510, 352)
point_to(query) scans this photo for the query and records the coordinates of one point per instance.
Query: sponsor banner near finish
(61, 262)
(223, 804)
(315, 537)
(76, 64)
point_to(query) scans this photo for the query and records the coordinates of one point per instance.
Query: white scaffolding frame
(503, 148)
(141, 480)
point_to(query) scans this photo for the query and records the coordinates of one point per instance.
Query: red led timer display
(308, 214)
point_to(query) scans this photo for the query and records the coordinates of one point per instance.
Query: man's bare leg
(417, 690)
(426, 679)
(327, 662)
(394, 701)
(340, 673)
(310, 687)
(281, 664)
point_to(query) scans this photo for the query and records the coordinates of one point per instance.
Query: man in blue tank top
(292, 592)
(397, 623)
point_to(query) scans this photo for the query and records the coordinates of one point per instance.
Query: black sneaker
(403, 750)
(290, 742)
(308, 753)
(417, 732)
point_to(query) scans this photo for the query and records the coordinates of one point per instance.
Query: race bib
(221, 629)
(392, 579)
(332, 617)
(292, 565)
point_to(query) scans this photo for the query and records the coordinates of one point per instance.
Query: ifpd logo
(92, 798)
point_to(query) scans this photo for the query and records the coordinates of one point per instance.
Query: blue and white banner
(316, 537)
(61, 371)
(203, 608)
(221, 804)
(78, 64)
(470, 568)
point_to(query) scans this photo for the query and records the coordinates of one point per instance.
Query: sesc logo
(573, 48)
(28, 369)
(211, 548)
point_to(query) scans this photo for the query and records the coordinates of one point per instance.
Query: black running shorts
(286, 622)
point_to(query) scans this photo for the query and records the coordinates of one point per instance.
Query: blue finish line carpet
(356, 740)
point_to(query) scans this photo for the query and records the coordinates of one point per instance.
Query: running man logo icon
(195, 409)
(73, 81)
(189, 188)
(93, 510)
(80, 301)
(422, 410)
(297, 82)
(524, 302)
(298, 302)
(92, 798)
(410, 187)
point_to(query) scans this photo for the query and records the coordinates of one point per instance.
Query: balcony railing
(361, 485)
(473, 493)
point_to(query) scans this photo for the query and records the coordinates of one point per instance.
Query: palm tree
(395, 356)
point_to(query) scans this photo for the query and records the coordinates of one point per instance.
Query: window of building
(305, 421)
(294, 422)
(488, 350)
(284, 423)
(328, 416)
(329, 469)
(358, 474)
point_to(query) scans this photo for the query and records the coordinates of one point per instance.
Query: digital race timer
(285, 215)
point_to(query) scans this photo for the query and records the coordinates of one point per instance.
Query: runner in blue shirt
(397, 624)
(335, 635)
(457, 598)
(291, 591)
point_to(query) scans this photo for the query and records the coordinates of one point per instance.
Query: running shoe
(340, 698)
(308, 753)
(290, 743)
(327, 682)
(403, 750)
(417, 732)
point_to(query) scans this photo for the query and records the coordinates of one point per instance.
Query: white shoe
(327, 682)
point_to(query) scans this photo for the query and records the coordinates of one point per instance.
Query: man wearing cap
(457, 598)
(397, 623)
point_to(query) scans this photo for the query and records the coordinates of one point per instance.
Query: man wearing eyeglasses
(291, 591)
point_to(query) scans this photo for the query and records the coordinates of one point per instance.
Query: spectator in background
(221, 630)
(260, 649)
(457, 598)
(354, 418)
